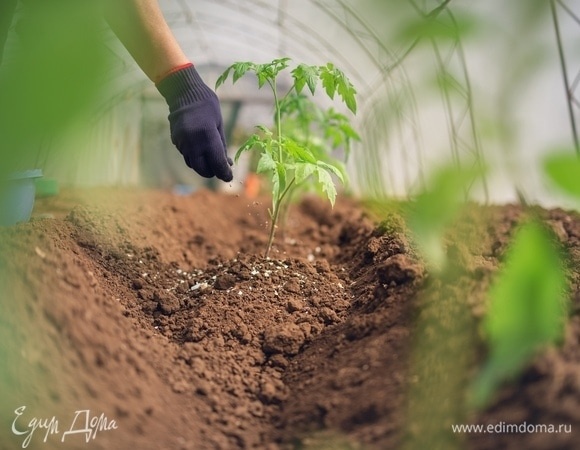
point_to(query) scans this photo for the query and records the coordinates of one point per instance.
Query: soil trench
(158, 312)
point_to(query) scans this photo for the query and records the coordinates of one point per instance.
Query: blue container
(17, 194)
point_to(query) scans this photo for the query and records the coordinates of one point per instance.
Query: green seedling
(289, 157)
(527, 309)
(321, 130)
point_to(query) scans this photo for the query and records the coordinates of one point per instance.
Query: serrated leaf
(346, 91)
(305, 75)
(240, 69)
(298, 152)
(248, 145)
(266, 163)
(333, 81)
(263, 77)
(223, 77)
(334, 169)
(326, 184)
(278, 65)
(564, 171)
(302, 171)
(328, 80)
(269, 71)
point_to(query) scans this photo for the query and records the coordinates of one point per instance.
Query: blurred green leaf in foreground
(527, 308)
(435, 209)
(563, 169)
(53, 70)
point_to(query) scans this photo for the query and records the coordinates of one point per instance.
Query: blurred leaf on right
(563, 170)
(527, 308)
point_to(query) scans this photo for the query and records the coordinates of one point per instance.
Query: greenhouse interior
(392, 263)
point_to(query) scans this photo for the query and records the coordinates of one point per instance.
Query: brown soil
(158, 312)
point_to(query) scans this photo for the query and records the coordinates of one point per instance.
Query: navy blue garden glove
(196, 123)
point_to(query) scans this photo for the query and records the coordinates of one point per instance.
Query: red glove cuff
(183, 87)
(172, 71)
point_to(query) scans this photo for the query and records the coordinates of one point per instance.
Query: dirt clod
(286, 339)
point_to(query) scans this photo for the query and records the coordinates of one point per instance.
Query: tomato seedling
(288, 152)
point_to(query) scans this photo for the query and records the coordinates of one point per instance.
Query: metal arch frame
(296, 30)
(367, 40)
(191, 18)
(363, 33)
(188, 18)
(465, 118)
(354, 25)
(323, 44)
(571, 87)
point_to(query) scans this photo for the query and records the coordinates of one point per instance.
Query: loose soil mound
(158, 312)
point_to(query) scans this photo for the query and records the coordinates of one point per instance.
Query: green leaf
(269, 71)
(301, 147)
(328, 80)
(302, 171)
(248, 145)
(298, 152)
(528, 307)
(279, 65)
(440, 28)
(264, 129)
(223, 77)
(346, 91)
(336, 137)
(266, 163)
(349, 131)
(435, 208)
(278, 181)
(305, 75)
(326, 184)
(263, 75)
(564, 171)
(240, 69)
(333, 81)
(334, 169)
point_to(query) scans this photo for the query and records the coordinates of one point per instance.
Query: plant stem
(277, 201)
(272, 230)
(274, 217)
(278, 119)
(285, 209)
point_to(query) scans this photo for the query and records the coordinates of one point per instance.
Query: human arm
(195, 117)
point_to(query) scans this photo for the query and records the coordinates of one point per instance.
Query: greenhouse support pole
(565, 76)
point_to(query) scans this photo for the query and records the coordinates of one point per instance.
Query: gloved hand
(196, 123)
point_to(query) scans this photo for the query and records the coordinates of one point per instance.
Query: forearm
(142, 29)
